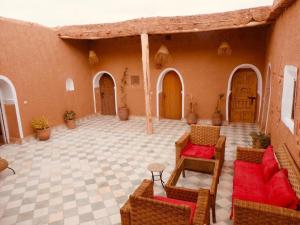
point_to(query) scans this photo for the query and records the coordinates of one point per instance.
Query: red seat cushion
(269, 164)
(192, 205)
(248, 182)
(280, 191)
(198, 151)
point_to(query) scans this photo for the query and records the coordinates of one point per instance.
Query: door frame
(259, 87)
(12, 100)
(159, 89)
(96, 84)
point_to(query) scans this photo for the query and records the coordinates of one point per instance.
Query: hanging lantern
(224, 49)
(162, 56)
(93, 58)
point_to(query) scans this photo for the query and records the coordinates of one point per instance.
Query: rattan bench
(248, 212)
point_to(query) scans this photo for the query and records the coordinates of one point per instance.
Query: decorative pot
(44, 134)
(71, 124)
(191, 118)
(123, 113)
(217, 119)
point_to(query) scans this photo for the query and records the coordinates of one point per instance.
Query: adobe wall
(284, 49)
(205, 74)
(38, 64)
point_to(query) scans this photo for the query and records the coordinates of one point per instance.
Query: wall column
(147, 85)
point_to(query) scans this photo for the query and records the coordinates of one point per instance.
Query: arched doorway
(170, 95)
(251, 100)
(243, 99)
(10, 119)
(105, 93)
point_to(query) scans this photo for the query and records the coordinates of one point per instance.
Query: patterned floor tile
(83, 176)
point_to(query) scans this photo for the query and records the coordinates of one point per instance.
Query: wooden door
(107, 95)
(172, 98)
(243, 102)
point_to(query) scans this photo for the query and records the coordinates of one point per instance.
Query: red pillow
(281, 192)
(269, 164)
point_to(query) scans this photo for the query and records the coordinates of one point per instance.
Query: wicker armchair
(4, 165)
(142, 209)
(198, 165)
(248, 213)
(203, 135)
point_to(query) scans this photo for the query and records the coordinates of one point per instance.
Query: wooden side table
(157, 170)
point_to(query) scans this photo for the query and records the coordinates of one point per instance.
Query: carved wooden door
(243, 102)
(172, 98)
(107, 95)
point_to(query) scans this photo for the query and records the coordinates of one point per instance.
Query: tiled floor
(83, 176)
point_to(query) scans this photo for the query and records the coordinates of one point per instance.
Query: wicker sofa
(202, 135)
(143, 208)
(253, 212)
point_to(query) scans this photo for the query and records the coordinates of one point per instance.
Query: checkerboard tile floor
(83, 176)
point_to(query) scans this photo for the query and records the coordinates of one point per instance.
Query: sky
(69, 12)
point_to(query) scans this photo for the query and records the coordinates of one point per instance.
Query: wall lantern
(224, 49)
(162, 56)
(93, 58)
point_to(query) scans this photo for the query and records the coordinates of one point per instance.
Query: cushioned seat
(198, 151)
(191, 205)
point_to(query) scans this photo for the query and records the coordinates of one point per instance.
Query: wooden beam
(147, 86)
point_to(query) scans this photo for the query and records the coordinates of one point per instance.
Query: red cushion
(192, 205)
(248, 182)
(198, 151)
(269, 164)
(280, 191)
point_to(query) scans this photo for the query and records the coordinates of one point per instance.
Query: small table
(157, 170)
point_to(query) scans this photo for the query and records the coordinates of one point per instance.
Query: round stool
(157, 170)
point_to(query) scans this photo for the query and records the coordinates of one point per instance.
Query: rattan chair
(198, 165)
(143, 209)
(248, 212)
(203, 135)
(4, 165)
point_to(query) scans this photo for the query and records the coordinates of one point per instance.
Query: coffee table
(157, 170)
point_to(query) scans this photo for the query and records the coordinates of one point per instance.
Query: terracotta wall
(38, 63)
(205, 74)
(284, 49)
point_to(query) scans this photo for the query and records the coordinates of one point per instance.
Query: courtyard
(83, 176)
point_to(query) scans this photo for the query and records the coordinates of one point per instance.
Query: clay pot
(71, 124)
(123, 113)
(192, 118)
(217, 119)
(44, 134)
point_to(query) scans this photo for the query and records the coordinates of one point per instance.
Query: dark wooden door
(243, 102)
(172, 98)
(107, 95)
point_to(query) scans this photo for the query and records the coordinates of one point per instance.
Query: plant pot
(71, 124)
(44, 134)
(123, 113)
(217, 119)
(191, 118)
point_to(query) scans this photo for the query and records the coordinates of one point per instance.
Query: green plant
(123, 88)
(217, 109)
(69, 115)
(260, 140)
(40, 123)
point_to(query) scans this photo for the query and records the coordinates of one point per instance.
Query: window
(289, 95)
(70, 85)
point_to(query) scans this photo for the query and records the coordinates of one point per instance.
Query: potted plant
(192, 117)
(260, 140)
(123, 111)
(217, 116)
(41, 127)
(69, 117)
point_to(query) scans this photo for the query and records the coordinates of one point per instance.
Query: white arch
(96, 80)
(259, 88)
(159, 88)
(13, 99)
(268, 85)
